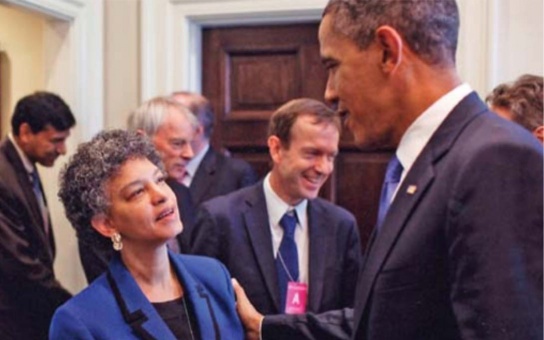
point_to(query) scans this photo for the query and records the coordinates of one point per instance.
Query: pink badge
(297, 295)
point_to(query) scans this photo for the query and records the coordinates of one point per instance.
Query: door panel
(248, 72)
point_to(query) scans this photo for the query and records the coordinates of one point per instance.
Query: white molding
(171, 34)
(58, 9)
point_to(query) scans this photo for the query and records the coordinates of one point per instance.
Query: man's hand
(251, 319)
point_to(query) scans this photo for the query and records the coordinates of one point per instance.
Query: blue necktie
(287, 257)
(36, 187)
(390, 183)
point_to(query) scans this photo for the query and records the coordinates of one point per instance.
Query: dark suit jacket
(461, 256)
(114, 307)
(29, 292)
(218, 175)
(235, 229)
(96, 256)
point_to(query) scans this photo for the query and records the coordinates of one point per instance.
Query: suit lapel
(30, 198)
(394, 222)
(319, 233)
(202, 181)
(199, 299)
(421, 175)
(258, 229)
(137, 310)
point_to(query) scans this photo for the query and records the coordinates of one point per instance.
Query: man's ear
(199, 130)
(101, 223)
(274, 148)
(539, 133)
(25, 132)
(391, 44)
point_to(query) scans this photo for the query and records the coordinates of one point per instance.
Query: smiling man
(292, 251)
(29, 292)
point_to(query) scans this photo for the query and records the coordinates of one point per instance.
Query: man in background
(29, 291)
(276, 237)
(521, 102)
(210, 173)
(171, 128)
(457, 249)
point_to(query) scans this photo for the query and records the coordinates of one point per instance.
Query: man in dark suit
(171, 128)
(210, 173)
(457, 253)
(245, 229)
(29, 291)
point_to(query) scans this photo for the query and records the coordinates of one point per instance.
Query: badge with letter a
(297, 296)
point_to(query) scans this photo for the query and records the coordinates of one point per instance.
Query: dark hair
(40, 109)
(430, 28)
(522, 98)
(284, 118)
(201, 108)
(83, 178)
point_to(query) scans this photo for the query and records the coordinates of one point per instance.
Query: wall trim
(172, 31)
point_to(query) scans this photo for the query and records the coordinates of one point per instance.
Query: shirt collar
(277, 207)
(194, 163)
(421, 130)
(30, 168)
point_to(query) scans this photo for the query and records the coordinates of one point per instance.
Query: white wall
(122, 61)
(519, 34)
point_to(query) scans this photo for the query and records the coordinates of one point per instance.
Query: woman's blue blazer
(114, 307)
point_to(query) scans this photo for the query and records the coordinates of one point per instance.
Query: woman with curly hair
(113, 189)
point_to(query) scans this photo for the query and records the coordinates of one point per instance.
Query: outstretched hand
(251, 319)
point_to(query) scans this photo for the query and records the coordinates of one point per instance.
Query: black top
(180, 320)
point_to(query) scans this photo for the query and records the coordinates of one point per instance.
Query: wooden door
(248, 72)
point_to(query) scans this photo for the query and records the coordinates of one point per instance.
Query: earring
(116, 240)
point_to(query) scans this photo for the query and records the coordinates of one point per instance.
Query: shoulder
(326, 208)
(490, 141)
(6, 163)
(235, 200)
(229, 162)
(93, 300)
(204, 269)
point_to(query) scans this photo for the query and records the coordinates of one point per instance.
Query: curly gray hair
(83, 180)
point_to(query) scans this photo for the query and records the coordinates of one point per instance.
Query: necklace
(188, 318)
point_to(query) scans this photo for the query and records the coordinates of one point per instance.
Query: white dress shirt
(276, 208)
(422, 129)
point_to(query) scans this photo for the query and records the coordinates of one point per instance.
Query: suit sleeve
(353, 260)
(332, 325)
(24, 274)
(495, 244)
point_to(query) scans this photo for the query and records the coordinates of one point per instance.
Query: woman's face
(143, 208)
